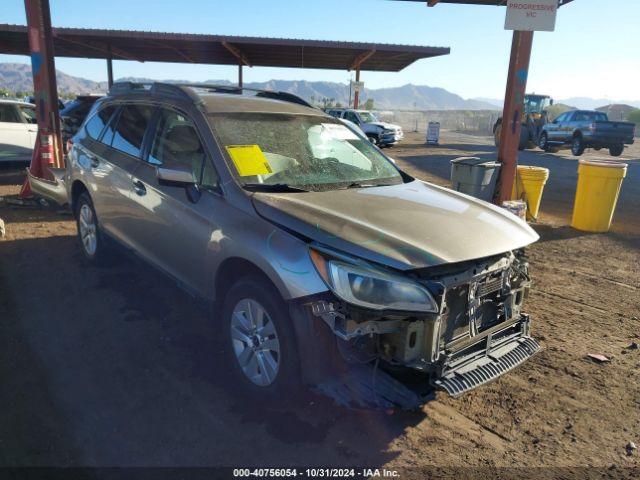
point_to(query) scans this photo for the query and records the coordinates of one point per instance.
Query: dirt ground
(116, 366)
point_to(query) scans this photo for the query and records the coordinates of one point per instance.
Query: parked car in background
(356, 129)
(32, 99)
(380, 133)
(580, 129)
(74, 113)
(18, 130)
(319, 253)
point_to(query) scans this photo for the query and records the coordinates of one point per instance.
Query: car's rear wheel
(261, 342)
(91, 240)
(577, 146)
(616, 150)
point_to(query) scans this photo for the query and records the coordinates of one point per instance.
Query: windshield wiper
(366, 185)
(271, 187)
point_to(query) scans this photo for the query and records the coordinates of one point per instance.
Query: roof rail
(178, 89)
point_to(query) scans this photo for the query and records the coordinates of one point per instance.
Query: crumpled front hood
(406, 226)
(388, 126)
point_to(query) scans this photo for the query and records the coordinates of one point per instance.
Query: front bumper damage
(395, 359)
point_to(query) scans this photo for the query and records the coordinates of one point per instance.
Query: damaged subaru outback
(327, 264)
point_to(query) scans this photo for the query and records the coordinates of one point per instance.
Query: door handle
(95, 163)
(139, 188)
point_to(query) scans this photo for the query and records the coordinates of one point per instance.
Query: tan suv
(327, 263)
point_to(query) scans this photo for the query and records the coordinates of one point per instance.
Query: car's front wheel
(543, 143)
(374, 139)
(91, 240)
(261, 347)
(577, 146)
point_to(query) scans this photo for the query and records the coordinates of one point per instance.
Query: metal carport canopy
(217, 49)
(498, 3)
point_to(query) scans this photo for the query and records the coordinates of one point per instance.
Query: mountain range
(584, 103)
(17, 77)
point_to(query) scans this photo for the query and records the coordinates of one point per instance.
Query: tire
(524, 138)
(577, 146)
(616, 150)
(496, 134)
(261, 348)
(92, 242)
(543, 142)
(374, 139)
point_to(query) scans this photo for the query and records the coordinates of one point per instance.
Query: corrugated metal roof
(220, 49)
(497, 3)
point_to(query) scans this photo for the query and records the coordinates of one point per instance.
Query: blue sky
(595, 50)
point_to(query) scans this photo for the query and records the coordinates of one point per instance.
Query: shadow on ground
(117, 366)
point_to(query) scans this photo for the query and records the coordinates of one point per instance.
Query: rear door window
(97, 122)
(581, 117)
(600, 117)
(130, 129)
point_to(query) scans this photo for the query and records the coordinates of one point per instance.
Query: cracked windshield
(301, 151)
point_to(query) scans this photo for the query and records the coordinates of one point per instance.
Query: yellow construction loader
(534, 117)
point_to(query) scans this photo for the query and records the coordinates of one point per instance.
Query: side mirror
(551, 101)
(178, 176)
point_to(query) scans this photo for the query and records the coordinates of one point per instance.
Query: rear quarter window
(96, 123)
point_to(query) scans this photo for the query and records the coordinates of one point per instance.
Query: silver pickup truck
(581, 129)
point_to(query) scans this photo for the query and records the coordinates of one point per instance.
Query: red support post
(512, 114)
(356, 95)
(48, 148)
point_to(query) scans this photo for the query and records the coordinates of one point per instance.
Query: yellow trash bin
(599, 183)
(529, 185)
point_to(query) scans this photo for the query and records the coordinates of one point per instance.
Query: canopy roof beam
(235, 51)
(360, 59)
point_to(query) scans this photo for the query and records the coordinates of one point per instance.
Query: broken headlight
(373, 288)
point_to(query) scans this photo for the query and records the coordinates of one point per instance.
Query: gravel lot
(116, 366)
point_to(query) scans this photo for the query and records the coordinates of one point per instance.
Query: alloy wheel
(88, 230)
(255, 342)
(543, 142)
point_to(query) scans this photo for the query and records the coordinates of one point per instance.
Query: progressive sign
(531, 15)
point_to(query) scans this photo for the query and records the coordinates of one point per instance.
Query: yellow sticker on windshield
(249, 160)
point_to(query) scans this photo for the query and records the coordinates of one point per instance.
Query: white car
(380, 133)
(18, 130)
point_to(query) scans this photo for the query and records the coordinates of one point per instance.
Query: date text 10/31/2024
(315, 472)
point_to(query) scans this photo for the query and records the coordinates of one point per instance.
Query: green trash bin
(475, 176)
